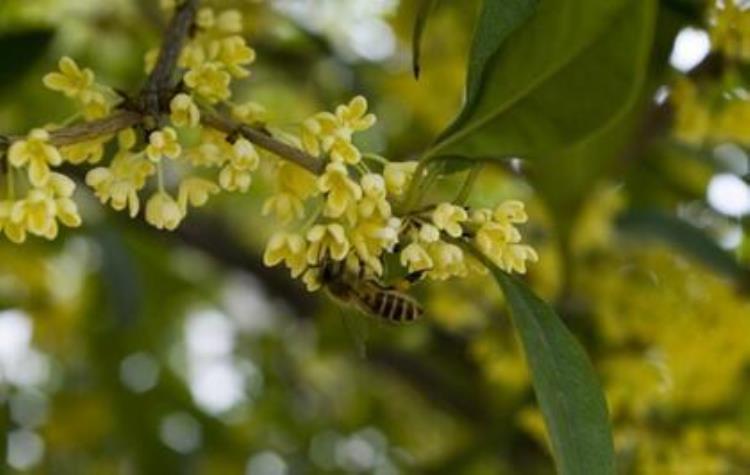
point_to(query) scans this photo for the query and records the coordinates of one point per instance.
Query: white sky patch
(690, 48)
(139, 372)
(180, 432)
(356, 28)
(217, 383)
(25, 449)
(729, 195)
(266, 463)
(20, 364)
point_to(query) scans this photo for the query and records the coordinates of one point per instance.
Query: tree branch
(265, 141)
(159, 81)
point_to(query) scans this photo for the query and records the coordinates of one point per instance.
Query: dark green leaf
(565, 74)
(425, 10)
(497, 20)
(569, 394)
(21, 51)
(653, 224)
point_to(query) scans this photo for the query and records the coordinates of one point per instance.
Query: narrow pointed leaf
(569, 394)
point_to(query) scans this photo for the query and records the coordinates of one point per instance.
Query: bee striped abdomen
(391, 305)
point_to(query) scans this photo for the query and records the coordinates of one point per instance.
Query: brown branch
(265, 141)
(159, 81)
(83, 132)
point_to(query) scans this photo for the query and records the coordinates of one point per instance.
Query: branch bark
(265, 141)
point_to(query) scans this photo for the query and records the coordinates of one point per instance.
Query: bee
(369, 295)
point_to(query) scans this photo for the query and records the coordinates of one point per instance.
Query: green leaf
(21, 51)
(654, 224)
(569, 394)
(425, 10)
(565, 74)
(498, 19)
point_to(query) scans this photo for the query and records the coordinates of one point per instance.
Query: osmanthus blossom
(350, 208)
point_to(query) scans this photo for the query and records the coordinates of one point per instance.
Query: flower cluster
(729, 22)
(353, 219)
(713, 112)
(355, 211)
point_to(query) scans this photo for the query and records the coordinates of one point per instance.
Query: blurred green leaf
(21, 50)
(557, 80)
(570, 397)
(425, 10)
(656, 224)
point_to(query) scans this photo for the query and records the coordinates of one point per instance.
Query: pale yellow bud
(448, 218)
(184, 111)
(163, 212)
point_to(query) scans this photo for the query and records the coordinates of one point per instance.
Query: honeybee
(369, 295)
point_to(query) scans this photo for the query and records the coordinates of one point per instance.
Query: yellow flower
(448, 218)
(121, 181)
(288, 248)
(295, 185)
(232, 179)
(510, 211)
(249, 113)
(370, 238)
(85, 152)
(71, 80)
(429, 234)
(36, 213)
(354, 117)
(195, 191)
(163, 212)
(213, 151)
(244, 159)
(15, 232)
(285, 206)
(341, 150)
(398, 176)
(95, 106)
(332, 133)
(234, 54)
(227, 22)
(163, 143)
(296, 180)
(39, 211)
(193, 55)
(184, 111)
(326, 240)
(37, 153)
(341, 191)
(448, 260)
(210, 81)
(515, 257)
(312, 280)
(415, 258)
(374, 202)
(244, 155)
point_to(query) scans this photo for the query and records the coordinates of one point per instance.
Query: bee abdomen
(392, 306)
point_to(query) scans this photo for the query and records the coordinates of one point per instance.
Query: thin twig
(265, 141)
(83, 132)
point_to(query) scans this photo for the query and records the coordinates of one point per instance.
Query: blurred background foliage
(124, 350)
